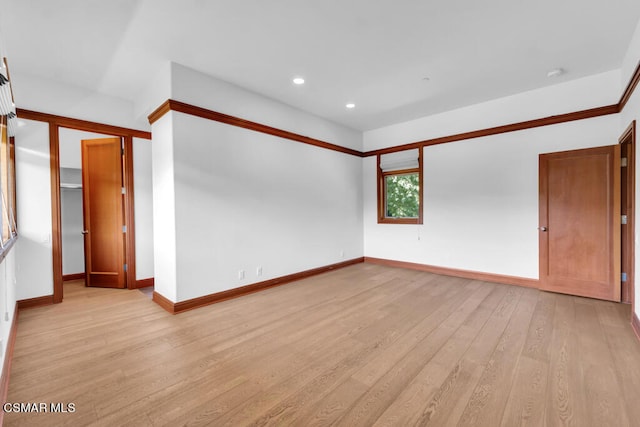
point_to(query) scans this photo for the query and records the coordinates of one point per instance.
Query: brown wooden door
(580, 222)
(103, 214)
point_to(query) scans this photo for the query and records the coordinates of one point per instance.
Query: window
(7, 161)
(400, 187)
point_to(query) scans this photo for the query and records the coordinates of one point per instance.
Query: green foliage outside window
(402, 195)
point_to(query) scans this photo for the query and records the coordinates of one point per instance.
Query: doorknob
(85, 231)
(542, 228)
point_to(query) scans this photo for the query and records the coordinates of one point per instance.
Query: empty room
(319, 213)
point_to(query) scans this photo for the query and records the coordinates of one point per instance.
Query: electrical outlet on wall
(259, 271)
(342, 253)
(241, 274)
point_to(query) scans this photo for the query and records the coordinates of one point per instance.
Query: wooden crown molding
(178, 307)
(173, 105)
(529, 124)
(631, 87)
(84, 125)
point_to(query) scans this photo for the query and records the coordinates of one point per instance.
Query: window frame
(8, 225)
(382, 196)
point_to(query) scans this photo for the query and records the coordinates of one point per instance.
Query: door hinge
(124, 190)
(623, 277)
(623, 162)
(124, 228)
(125, 267)
(623, 219)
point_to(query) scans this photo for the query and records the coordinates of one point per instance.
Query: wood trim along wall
(178, 307)
(628, 146)
(56, 213)
(8, 358)
(631, 86)
(74, 276)
(163, 302)
(71, 123)
(145, 283)
(129, 213)
(55, 123)
(635, 324)
(529, 124)
(172, 105)
(466, 274)
(35, 302)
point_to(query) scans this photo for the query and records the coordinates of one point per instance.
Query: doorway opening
(91, 205)
(627, 209)
(55, 125)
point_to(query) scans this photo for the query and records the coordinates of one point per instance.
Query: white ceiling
(373, 53)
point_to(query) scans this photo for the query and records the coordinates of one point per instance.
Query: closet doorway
(59, 124)
(92, 208)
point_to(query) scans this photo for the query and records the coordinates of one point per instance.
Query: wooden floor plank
(487, 402)
(603, 393)
(444, 368)
(624, 348)
(565, 395)
(387, 388)
(362, 345)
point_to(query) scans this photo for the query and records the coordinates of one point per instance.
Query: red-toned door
(580, 222)
(103, 213)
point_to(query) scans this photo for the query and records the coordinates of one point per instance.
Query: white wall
(71, 218)
(33, 196)
(246, 199)
(49, 96)
(155, 93)
(199, 89)
(35, 276)
(164, 208)
(588, 92)
(243, 199)
(630, 113)
(71, 200)
(480, 195)
(7, 300)
(7, 280)
(143, 193)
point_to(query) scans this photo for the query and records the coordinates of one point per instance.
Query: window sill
(416, 221)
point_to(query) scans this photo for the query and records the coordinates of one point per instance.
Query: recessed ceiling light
(298, 80)
(555, 72)
(350, 105)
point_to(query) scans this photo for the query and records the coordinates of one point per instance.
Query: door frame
(56, 216)
(628, 140)
(55, 123)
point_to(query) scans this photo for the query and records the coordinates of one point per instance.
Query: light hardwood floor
(364, 345)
